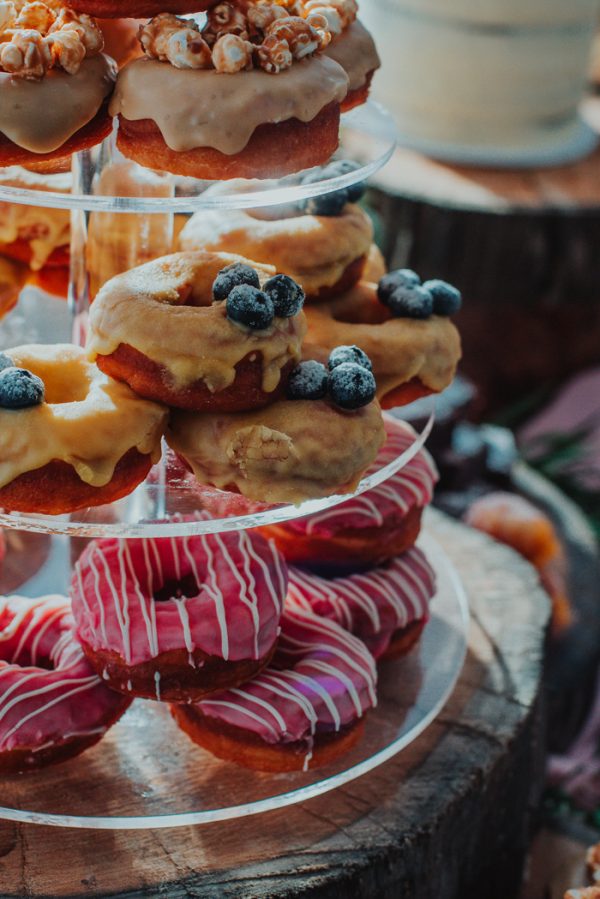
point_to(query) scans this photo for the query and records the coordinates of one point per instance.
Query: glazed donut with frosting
(354, 50)
(253, 101)
(412, 355)
(34, 235)
(70, 437)
(373, 527)
(54, 83)
(164, 330)
(386, 607)
(325, 249)
(53, 706)
(304, 711)
(13, 277)
(179, 619)
(314, 444)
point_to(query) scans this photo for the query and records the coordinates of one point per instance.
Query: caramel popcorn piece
(231, 54)
(274, 55)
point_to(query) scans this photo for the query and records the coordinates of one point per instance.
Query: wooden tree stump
(449, 818)
(522, 246)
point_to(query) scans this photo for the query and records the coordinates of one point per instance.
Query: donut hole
(63, 383)
(362, 314)
(184, 588)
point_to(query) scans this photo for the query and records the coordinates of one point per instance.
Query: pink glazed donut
(179, 618)
(52, 704)
(387, 607)
(304, 711)
(371, 528)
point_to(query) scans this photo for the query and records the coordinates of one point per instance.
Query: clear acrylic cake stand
(146, 773)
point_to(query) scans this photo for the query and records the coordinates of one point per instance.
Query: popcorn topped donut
(38, 36)
(238, 36)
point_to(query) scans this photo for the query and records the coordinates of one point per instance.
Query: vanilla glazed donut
(386, 607)
(411, 357)
(254, 97)
(53, 706)
(54, 83)
(178, 619)
(70, 437)
(325, 254)
(159, 328)
(355, 51)
(305, 711)
(34, 235)
(289, 452)
(371, 528)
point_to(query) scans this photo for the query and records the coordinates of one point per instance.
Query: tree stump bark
(449, 818)
(523, 248)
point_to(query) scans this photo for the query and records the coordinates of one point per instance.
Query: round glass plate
(170, 503)
(147, 774)
(367, 136)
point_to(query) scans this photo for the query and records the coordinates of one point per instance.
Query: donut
(53, 706)
(157, 328)
(70, 437)
(121, 39)
(515, 521)
(179, 619)
(354, 50)
(244, 109)
(13, 277)
(35, 235)
(119, 241)
(117, 9)
(375, 267)
(326, 254)
(370, 528)
(54, 84)
(411, 357)
(289, 452)
(386, 607)
(304, 711)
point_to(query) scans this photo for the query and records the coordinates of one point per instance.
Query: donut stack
(269, 665)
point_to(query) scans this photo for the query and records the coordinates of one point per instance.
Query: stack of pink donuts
(265, 663)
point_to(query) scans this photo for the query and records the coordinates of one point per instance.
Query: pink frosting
(389, 502)
(322, 678)
(373, 605)
(229, 601)
(49, 692)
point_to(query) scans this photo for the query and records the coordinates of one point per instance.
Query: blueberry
(286, 295)
(402, 277)
(20, 389)
(5, 362)
(446, 298)
(411, 302)
(351, 386)
(231, 277)
(308, 381)
(327, 204)
(353, 354)
(342, 167)
(249, 306)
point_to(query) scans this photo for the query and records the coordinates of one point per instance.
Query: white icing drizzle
(115, 582)
(323, 679)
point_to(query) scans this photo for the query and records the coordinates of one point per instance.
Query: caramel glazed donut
(255, 98)
(172, 331)
(323, 243)
(54, 83)
(70, 437)
(402, 325)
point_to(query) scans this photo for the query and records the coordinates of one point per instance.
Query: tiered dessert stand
(147, 778)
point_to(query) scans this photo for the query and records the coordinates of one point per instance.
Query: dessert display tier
(171, 504)
(367, 136)
(139, 778)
